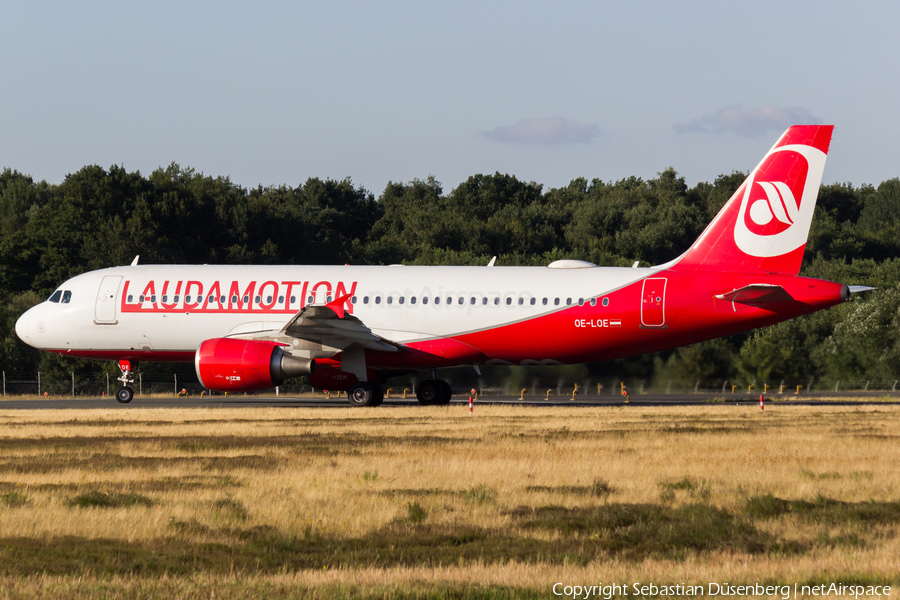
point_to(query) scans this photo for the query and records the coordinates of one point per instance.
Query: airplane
(249, 328)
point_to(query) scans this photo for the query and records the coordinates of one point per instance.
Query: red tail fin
(764, 226)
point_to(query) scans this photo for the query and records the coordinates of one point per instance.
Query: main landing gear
(125, 394)
(434, 392)
(365, 393)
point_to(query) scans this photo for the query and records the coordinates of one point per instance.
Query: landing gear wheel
(124, 395)
(448, 393)
(362, 394)
(430, 392)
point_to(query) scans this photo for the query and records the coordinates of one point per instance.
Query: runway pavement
(827, 398)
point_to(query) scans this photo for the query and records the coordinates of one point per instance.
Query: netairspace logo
(785, 592)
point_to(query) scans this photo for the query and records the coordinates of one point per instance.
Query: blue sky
(272, 93)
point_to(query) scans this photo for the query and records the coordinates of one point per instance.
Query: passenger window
(449, 300)
(544, 302)
(187, 299)
(211, 299)
(222, 299)
(437, 300)
(593, 302)
(166, 298)
(402, 299)
(412, 300)
(281, 299)
(293, 299)
(556, 301)
(521, 301)
(606, 302)
(484, 300)
(327, 299)
(55, 297)
(67, 295)
(508, 301)
(533, 301)
(246, 299)
(581, 302)
(377, 299)
(310, 300)
(461, 300)
(140, 299)
(390, 299)
(424, 299)
(129, 298)
(496, 301)
(472, 300)
(568, 301)
(176, 299)
(152, 299)
(268, 300)
(365, 299)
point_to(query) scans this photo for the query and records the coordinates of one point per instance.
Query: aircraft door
(105, 310)
(653, 302)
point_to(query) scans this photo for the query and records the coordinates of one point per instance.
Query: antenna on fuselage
(493, 260)
(134, 262)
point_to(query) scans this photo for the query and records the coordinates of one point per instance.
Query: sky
(272, 93)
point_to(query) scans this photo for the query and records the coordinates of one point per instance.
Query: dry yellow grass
(345, 474)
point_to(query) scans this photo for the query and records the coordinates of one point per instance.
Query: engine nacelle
(233, 365)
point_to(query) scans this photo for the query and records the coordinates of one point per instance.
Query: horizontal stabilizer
(757, 293)
(855, 289)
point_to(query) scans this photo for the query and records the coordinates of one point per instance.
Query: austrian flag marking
(597, 323)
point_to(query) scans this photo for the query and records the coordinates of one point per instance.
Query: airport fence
(77, 383)
(90, 383)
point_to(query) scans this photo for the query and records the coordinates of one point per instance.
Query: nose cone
(26, 327)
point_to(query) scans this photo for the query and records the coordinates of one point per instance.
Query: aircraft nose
(26, 327)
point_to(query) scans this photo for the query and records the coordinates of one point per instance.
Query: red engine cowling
(233, 365)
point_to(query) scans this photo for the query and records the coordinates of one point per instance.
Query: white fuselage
(156, 308)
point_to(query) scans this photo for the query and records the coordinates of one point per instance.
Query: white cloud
(552, 130)
(748, 123)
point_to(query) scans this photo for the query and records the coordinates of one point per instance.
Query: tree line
(100, 217)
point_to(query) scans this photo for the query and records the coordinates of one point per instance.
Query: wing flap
(331, 325)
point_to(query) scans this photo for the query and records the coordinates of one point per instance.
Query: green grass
(629, 531)
(640, 530)
(598, 489)
(825, 510)
(98, 499)
(696, 489)
(415, 513)
(14, 499)
(230, 508)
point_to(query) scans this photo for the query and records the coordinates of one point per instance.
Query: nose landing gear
(125, 394)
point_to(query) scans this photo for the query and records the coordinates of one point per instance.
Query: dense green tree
(104, 217)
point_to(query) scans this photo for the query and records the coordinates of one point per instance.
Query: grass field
(404, 502)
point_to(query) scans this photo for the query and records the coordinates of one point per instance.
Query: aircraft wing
(757, 293)
(330, 325)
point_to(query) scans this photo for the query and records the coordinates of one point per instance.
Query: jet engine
(234, 365)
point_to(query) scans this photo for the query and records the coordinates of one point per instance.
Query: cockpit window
(55, 297)
(67, 295)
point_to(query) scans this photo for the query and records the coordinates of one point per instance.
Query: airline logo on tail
(764, 226)
(778, 202)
